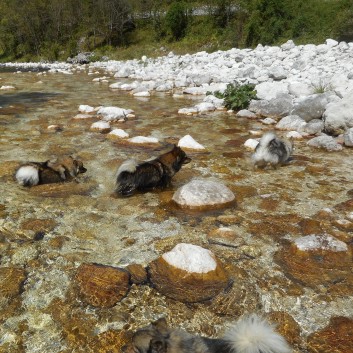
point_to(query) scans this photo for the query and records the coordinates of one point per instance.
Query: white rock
(191, 258)
(291, 122)
(85, 108)
(268, 121)
(113, 113)
(143, 139)
(326, 142)
(203, 193)
(119, 133)
(142, 94)
(7, 88)
(244, 113)
(188, 111)
(316, 242)
(84, 116)
(251, 144)
(205, 107)
(100, 125)
(188, 142)
(294, 135)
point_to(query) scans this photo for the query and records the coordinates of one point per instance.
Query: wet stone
(39, 225)
(335, 338)
(138, 273)
(286, 326)
(316, 260)
(102, 286)
(177, 274)
(224, 236)
(203, 194)
(11, 281)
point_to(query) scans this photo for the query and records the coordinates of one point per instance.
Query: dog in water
(250, 334)
(272, 151)
(155, 173)
(52, 171)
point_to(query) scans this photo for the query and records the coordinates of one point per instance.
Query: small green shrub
(237, 96)
(321, 87)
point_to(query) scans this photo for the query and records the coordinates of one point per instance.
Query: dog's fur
(272, 151)
(52, 171)
(251, 334)
(150, 174)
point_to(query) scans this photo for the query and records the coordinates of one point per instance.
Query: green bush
(236, 96)
(176, 20)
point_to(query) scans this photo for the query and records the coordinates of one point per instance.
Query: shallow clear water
(91, 224)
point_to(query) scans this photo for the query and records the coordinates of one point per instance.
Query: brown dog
(52, 171)
(132, 175)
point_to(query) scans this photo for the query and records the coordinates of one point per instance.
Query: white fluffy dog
(272, 151)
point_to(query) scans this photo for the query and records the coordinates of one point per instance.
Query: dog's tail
(253, 334)
(267, 138)
(27, 175)
(128, 166)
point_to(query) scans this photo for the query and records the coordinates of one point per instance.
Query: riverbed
(46, 232)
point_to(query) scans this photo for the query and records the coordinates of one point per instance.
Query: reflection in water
(27, 99)
(46, 232)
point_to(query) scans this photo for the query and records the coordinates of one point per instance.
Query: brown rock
(186, 286)
(242, 297)
(11, 281)
(138, 273)
(286, 326)
(335, 338)
(62, 189)
(110, 341)
(224, 236)
(310, 226)
(318, 266)
(102, 286)
(39, 225)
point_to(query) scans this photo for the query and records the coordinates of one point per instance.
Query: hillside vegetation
(121, 29)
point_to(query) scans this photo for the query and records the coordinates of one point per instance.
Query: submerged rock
(188, 273)
(102, 286)
(203, 193)
(335, 338)
(317, 260)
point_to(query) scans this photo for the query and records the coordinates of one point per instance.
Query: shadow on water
(27, 99)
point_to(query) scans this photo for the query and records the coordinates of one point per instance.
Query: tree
(177, 20)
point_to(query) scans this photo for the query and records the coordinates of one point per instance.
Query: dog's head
(150, 339)
(175, 158)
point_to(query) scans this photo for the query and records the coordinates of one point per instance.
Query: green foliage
(176, 20)
(237, 96)
(321, 86)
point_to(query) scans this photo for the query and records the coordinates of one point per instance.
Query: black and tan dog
(150, 174)
(250, 334)
(52, 171)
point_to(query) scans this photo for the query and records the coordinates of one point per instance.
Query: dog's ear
(161, 325)
(158, 346)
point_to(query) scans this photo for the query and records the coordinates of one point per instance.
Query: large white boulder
(203, 193)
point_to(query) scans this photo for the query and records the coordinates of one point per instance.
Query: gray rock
(338, 116)
(348, 137)
(280, 106)
(311, 107)
(291, 122)
(277, 73)
(313, 127)
(326, 142)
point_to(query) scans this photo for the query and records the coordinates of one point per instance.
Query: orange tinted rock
(102, 286)
(11, 281)
(286, 326)
(138, 273)
(337, 337)
(38, 225)
(224, 236)
(187, 286)
(328, 265)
